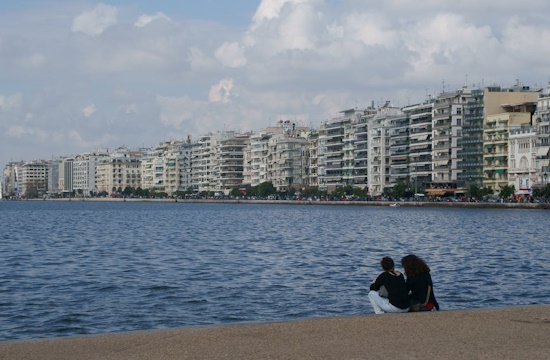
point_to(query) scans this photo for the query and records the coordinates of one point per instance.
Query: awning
(438, 191)
(419, 147)
(523, 192)
(422, 137)
(543, 151)
(543, 163)
(499, 171)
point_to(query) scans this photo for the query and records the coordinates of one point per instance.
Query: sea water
(69, 268)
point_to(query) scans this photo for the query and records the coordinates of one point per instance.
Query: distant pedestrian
(395, 299)
(419, 284)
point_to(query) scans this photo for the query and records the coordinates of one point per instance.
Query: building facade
(522, 154)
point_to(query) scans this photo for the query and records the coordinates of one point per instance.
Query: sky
(82, 75)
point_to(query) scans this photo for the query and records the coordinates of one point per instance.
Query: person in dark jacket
(419, 284)
(397, 299)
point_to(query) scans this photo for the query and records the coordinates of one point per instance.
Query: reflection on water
(81, 268)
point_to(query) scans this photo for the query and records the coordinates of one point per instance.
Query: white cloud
(75, 138)
(19, 131)
(33, 61)
(231, 54)
(370, 29)
(10, 102)
(271, 9)
(221, 91)
(176, 111)
(131, 109)
(89, 110)
(96, 21)
(199, 62)
(318, 98)
(303, 59)
(144, 20)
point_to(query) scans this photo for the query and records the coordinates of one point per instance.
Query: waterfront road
(499, 333)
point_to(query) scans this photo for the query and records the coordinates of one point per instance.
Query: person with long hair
(397, 299)
(419, 284)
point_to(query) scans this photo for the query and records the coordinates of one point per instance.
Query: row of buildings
(489, 137)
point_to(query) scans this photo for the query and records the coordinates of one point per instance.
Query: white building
(32, 178)
(522, 155)
(84, 172)
(337, 154)
(542, 123)
(379, 157)
(420, 146)
(120, 170)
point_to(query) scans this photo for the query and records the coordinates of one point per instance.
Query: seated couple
(390, 293)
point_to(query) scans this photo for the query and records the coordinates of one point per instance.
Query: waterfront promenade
(498, 333)
(442, 204)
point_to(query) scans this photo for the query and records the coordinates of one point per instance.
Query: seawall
(541, 206)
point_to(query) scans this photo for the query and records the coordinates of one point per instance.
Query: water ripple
(88, 268)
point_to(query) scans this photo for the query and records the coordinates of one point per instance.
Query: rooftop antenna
(443, 82)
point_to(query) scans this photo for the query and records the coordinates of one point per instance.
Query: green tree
(139, 191)
(265, 189)
(538, 192)
(359, 192)
(31, 191)
(128, 190)
(475, 191)
(399, 189)
(251, 190)
(506, 191)
(235, 192)
(343, 191)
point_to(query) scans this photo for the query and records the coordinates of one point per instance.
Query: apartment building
(312, 155)
(152, 170)
(522, 155)
(287, 162)
(84, 172)
(542, 126)
(228, 163)
(201, 166)
(495, 146)
(53, 177)
(399, 149)
(167, 167)
(378, 148)
(361, 149)
(32, 178)
(447, 119)
(9, 180)
(120, 170)
(255, 159)
(272, 155)
(177, 165)
(338, 140)
(483, 103)
(322, 159)
(420, 143)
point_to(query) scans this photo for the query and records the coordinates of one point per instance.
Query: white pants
(382, 305)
